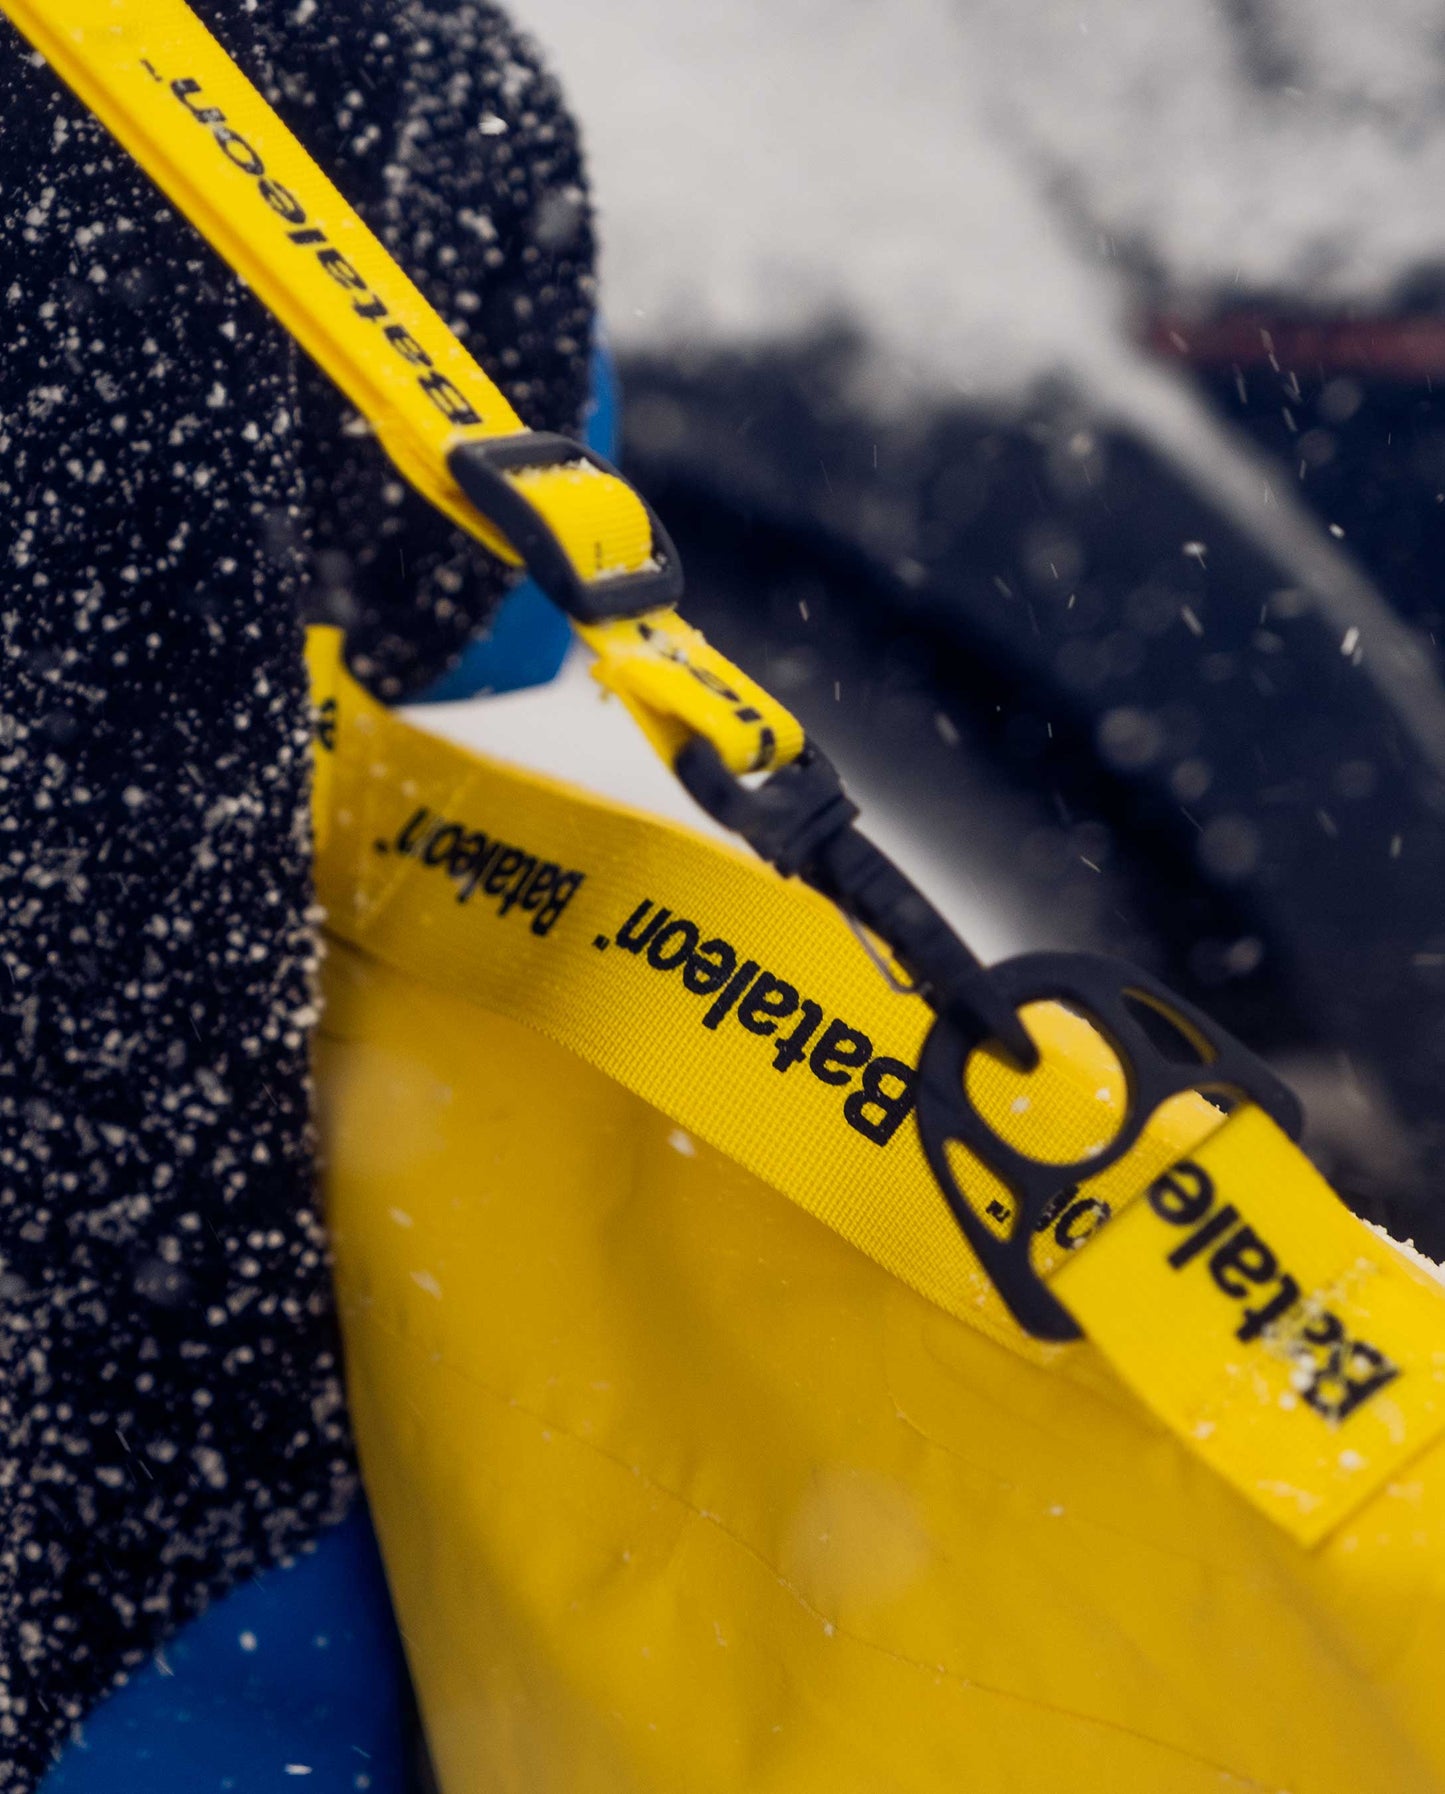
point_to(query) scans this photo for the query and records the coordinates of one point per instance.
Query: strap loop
(1183, 1050)
(677, 686)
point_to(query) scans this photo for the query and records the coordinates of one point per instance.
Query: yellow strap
(743, 1007)
(1297, 1352)
(676, 684)
(169, 92)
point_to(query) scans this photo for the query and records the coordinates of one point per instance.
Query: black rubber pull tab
(1165, 1047)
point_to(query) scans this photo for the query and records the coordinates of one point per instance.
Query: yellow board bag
(703, 1453)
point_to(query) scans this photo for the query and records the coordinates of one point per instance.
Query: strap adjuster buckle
(480, 467)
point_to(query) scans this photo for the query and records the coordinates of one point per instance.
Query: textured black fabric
(174, 484)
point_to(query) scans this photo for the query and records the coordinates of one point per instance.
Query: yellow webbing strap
(1295, 1350)
(676, 685)
(165, 88)
(1279, 1338)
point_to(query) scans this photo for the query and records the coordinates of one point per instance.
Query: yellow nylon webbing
(675, 684)
(742, 1007)
(1307, 1411)
(165, 88)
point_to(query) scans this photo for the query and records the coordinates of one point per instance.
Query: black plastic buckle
(786, 818)
(480, 468)
(800, 819)
(1165, 1046)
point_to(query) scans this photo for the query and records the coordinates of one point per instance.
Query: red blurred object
(1401, 348)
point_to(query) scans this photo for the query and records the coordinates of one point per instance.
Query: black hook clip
(800, 819)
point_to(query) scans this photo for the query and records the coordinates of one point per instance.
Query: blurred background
(1044, 401)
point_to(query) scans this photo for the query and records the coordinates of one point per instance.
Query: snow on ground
(1251, 144)
(764, 165)
(961, 175)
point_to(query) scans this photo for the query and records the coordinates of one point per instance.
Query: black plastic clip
(480, 468)
(800, 819)
(1165, 1047)
(786, 818)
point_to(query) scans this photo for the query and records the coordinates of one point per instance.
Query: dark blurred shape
(1122, 702)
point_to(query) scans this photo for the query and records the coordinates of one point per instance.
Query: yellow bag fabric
(694, 1469)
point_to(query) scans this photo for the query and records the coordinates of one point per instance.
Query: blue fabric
(294, 1682)
(529, 637)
